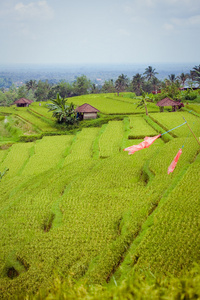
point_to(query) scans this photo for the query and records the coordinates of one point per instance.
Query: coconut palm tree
(63, 112)
(150, 73)
(137, 83)
(183, 77)
(195, 74)
(155, 83)
(121, 83)
(31, 85)
(143, 103)
(172, 78)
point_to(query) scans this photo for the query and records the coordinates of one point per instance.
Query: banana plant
(62, 111)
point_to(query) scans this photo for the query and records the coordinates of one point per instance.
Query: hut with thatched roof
(22, 102)
(169, 102)
(86, 111)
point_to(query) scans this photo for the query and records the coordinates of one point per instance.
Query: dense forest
(148, 81)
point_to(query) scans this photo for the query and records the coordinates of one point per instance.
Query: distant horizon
(98, 66)
(95, 72)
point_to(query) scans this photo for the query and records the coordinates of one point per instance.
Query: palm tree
(31, 85)
(137, 82)
(62, 111)
(150, 73)
(144, 100)
(195, 74)
(183, 77)
(172, 78)
(121, 83)
(155, 83)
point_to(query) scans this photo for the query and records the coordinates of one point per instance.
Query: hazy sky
(103, 31)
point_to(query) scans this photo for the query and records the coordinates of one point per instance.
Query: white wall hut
(86, 111)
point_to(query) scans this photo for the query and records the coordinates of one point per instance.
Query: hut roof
(167, 102)
(23, 101)
(86, 108)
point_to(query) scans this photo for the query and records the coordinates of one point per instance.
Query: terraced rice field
(169, 121)
(79, 206)
(109, 104)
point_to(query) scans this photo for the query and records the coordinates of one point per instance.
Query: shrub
(190, 95)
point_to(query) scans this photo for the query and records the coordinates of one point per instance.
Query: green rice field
(82, 219)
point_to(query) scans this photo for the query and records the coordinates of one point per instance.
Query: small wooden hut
(169, 102)
(23, 102)
(86, 111)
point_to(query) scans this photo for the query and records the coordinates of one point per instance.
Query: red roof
(23, 101)
(86, 108)
(167, 102)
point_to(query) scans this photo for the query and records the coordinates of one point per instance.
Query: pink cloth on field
(145, 144)
(174, 162)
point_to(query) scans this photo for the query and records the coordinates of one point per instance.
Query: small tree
(63, 88)
(95, 89)
(41, 93)
(82, 85)
(108, 87)
(145, 98)
(170, 91)
(22, 92)
(63, 112)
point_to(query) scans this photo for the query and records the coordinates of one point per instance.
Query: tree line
(146, 82)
